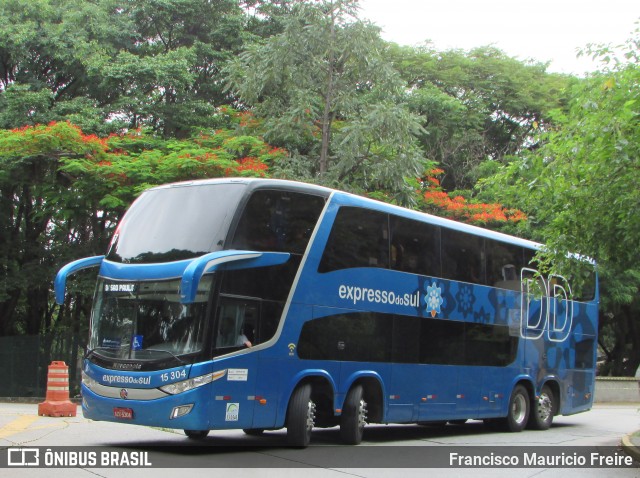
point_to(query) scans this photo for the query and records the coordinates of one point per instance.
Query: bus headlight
(190, 384)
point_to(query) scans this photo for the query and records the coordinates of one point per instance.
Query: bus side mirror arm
(60, 282)
(224, 260)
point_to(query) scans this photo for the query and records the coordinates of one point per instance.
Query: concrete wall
(617, 389)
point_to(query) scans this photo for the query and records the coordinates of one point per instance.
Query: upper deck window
(175, 223)
(278, 221)
(359, 238)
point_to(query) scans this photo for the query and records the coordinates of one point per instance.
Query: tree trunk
(327, 114)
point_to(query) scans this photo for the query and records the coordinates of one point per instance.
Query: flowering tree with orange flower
(454, 206)
(62, 191)
(324, 90)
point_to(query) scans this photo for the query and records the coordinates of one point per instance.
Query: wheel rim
(519, 409)
(362, 414)
(545, 407)
(311, 415)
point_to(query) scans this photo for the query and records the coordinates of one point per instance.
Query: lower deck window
(374, 337)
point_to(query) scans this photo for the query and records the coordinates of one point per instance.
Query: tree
(477, 106)
(326, 93)
(113, 64)
(62, 192)
(436, 201)
(580, 190)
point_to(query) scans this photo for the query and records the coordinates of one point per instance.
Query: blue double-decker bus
(259, 304)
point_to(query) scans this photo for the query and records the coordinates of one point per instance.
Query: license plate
(124, 413)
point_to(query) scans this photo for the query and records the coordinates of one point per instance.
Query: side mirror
(224, 260)
(60, 282)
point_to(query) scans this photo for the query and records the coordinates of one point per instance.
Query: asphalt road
(387, 450)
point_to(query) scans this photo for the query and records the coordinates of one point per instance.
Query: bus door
(424, 379)
(484, 380)
(442, 350)
(468, 392)
(236, 328)
(437, 392)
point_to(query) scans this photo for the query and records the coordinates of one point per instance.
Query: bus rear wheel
(196, 434)
(461, 421)
(542, 410)
(301, 416)
(518, 414)
(354, 416)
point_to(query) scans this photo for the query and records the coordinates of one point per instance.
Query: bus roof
(348, 199)
(254, 183)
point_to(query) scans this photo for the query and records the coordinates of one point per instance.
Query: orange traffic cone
(57, 403)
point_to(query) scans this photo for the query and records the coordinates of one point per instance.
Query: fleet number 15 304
(173, 375)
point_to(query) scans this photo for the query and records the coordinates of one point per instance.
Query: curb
(629, 448)
(34, 400)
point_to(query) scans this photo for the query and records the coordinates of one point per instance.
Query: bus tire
(196, 434)
(435, 424)
(254, 432)
(459, 422)
(493, 423)
(301, 416)
(542, 410)
(519, 406)
(354, 416)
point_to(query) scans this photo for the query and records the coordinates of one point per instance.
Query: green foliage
(580, 188)
(133, 95)
(111, 64)
(325, 92)
(62, 192)
(478, 105)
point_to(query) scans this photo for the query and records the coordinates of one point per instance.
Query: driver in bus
(229, 337)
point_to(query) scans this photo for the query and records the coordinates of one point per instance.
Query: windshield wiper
(180, 361)
(113, 354)
(94, 351)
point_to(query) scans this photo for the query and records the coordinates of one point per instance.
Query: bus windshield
(175, 223)
(145, 320)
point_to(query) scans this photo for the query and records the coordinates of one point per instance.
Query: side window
(415, 247)
(280, 221)
(371, 337)
(504, 262)
(584, 354)
(267, 283)
(462, 257)
(442, 342)
(406, 339)
(357, 337)
(359, 238)
(237, 320)
(245, 323)
(269, 320)
(489, 345)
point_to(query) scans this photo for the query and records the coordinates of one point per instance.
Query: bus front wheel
(301, 416)
(354, 416)
(518, 414)
(196, 434)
